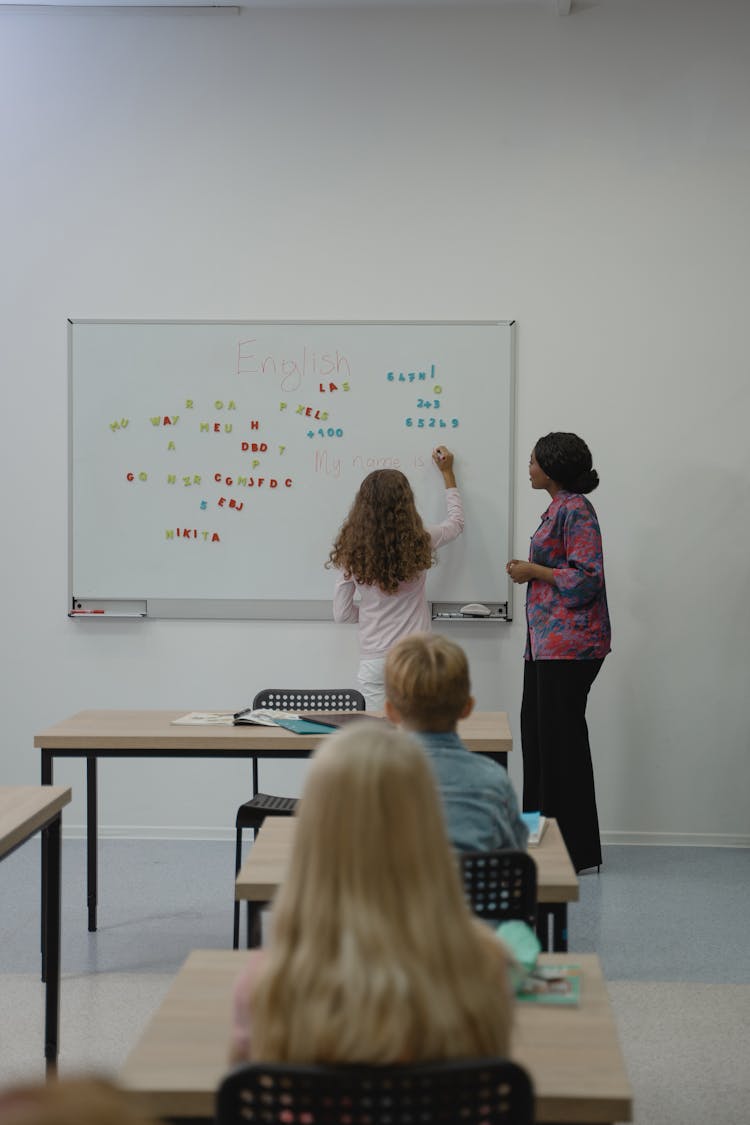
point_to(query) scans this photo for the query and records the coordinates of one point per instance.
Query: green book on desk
(557, 985)
(324, 722)
(306, 726)
(536, 823)
(264, 717)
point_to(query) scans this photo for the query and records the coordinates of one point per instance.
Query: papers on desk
(558, 985)
(536, 823)
(205, 719)
(299, 724)
(259, 717)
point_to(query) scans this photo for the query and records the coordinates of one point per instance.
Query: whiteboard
(213, 462)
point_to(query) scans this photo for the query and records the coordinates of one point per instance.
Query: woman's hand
(443, 458)
(521, 571)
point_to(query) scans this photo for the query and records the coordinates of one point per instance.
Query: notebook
(536, 823)
(337, 719)
(557, 985)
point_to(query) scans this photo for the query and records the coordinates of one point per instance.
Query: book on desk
(289, 720)
(321, 722)
(204, 719)
(556, 985)
(536, 823)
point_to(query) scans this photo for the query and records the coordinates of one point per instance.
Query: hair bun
(586, 482)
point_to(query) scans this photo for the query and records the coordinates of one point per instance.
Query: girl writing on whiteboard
(383, 552)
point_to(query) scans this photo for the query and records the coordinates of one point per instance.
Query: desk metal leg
(254, 924)
(496, 756)
(46, 780)
(542, 927)
(255, 776)
(92, 831)
(52, 945)
(559, 911)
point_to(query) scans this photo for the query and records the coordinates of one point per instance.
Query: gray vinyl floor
(671, 925)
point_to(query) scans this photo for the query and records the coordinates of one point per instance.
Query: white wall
(587, 175)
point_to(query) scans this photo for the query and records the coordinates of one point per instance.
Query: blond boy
(427, 691)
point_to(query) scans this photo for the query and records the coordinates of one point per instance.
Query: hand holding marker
(443, 458)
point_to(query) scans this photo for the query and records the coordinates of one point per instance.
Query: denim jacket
(481, 809)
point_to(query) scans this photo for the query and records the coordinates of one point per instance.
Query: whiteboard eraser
(476, 609)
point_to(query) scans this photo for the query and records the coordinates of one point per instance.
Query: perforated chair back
(462, 1092)
(253, 813)
(500, 885)
(316, 699)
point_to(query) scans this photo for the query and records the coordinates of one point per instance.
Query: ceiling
(560, 7)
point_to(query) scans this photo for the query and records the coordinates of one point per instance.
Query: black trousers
(558, 777)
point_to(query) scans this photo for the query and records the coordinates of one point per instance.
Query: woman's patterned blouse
(568, 620)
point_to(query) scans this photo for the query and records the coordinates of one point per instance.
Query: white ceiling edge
(560, 7)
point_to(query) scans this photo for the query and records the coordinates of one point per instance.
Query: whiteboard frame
(98, 609)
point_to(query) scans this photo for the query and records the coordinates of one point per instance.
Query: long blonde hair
(374, 955)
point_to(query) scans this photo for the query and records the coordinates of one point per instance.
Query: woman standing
(568, 636)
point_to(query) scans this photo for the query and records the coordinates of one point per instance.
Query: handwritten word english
(292, 369)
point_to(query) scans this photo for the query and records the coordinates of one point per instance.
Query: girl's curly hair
(382, 541)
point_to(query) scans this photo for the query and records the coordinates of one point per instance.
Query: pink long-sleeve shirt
(386, 618)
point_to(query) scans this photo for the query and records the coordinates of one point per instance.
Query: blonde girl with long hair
(383, 552)
(374, 955)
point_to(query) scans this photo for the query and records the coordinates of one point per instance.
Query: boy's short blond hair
(427, 681)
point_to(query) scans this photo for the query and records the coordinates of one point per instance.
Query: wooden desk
(149, 734)
(24, 811)
(572, 1054)
(263, 871)
(557, 885)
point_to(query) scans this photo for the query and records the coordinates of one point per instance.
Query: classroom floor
(671, 926)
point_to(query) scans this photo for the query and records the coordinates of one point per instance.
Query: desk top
(264, 867)
(572, 1054)
(144, 731)
(24, 809)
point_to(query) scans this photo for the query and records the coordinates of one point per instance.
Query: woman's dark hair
(567, 460)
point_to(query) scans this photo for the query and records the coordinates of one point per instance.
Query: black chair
(456, 1092)
(500, 885)
(254, 812)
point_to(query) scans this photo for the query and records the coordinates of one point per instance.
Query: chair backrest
(500, 885)
(316, 699)
(469, 1091)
